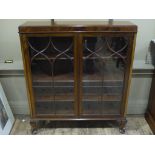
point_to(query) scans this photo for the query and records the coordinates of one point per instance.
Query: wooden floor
(135, 126)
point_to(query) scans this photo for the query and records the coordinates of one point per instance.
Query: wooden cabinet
(78, 71)
(150, 113)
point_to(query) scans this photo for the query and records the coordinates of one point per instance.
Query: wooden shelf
(50, 98)
(69, 77)
(102, 89)
(106, 77)
(101, 108)
(92, 97)
(70, 97)
(54, 109)
(109, 72)
(42, 77)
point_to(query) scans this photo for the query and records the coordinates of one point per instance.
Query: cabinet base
(37, 124)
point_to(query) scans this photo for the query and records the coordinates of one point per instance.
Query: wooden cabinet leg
(34, 127)
(122, 126)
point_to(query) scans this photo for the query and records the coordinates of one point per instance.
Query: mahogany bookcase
(77, 71)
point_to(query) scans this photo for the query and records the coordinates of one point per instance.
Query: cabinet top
(77, 26)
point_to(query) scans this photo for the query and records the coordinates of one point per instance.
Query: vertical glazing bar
(80, 72)
(76, 74)
(102, 91)
(53, 88)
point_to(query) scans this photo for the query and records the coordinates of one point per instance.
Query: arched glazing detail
(104, 62)
(52, 63)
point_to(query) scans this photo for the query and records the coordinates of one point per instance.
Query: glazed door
(52, 69)
(104, 60)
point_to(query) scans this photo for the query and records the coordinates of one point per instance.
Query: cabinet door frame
(127, 72)
(28, 77)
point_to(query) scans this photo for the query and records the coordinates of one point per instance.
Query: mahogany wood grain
(47, 27)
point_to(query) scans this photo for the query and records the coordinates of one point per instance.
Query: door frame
(28, 77)
(127, 71)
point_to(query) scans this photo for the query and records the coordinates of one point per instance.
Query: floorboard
(136, 125)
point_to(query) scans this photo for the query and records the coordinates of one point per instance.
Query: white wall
(138, 100)
(15, 91)
(146, 32)
(9, 38)
(10, 44)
